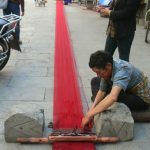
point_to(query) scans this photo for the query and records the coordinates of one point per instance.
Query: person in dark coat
(121, 26)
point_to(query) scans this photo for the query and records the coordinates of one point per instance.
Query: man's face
(104, 73)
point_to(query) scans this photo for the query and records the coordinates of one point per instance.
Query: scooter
(8, 39)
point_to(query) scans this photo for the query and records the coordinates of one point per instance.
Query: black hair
(99, 59)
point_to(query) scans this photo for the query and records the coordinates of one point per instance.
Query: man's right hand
(99, 8)
(87, 123)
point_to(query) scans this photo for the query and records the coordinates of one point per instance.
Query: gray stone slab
(4, 81)
(26, 81)
(7, 72)
(30, 71)
(50, 72)
(124, 146)
(11, 146)
(1, 126)
(25, 70)
(33, 56)
(11, 63)
(22, 94)
(115, 121)
(24, 125)
(10, 108)
(49, 94)
(34, 63)
(146, 129)
(43, 50)
(140, 132)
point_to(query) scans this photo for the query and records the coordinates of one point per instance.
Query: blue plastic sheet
(104, 2)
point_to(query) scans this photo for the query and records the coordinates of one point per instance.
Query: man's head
(101, 63)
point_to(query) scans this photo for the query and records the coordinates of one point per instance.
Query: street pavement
(26, 83)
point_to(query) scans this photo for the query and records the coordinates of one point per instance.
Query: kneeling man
(120, 81)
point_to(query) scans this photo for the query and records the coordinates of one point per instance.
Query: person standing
(15, 7)
(121, 27)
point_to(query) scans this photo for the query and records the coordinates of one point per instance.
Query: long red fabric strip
(67, 99)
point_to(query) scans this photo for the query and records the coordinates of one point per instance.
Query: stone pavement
(26, 83)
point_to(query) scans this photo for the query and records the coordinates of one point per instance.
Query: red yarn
(67, 99)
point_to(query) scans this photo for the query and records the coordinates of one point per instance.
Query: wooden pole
(52, 139)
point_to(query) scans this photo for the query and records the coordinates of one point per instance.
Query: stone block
(24, 125)
(115, 121)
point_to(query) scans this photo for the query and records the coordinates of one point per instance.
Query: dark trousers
(123, 44)
(134, 102)
(67, 1)
(13, 8)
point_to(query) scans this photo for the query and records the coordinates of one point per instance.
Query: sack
(3, 4)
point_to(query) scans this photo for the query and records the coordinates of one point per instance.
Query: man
(120, 81)
(121, 27)
(14, 8)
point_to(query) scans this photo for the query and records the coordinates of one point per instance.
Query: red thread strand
(67, 99)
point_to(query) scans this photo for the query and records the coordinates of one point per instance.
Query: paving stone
(22, 94)
(115, 121)
(24, 125)
(49, 94)
(26, 81)
(36, 63)
(30, 71)
(4, 81)
(124, 146)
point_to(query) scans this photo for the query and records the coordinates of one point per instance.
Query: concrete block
(115, 121)
(24, 125)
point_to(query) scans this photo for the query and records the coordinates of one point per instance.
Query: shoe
(92, 98)
(20, 42)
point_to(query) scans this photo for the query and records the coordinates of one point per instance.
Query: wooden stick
(52, 139)
(93, 138)
(32, 140)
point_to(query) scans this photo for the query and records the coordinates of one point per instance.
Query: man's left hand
(105, 12)
(86, 121)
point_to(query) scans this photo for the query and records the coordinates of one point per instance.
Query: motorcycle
(8, 39)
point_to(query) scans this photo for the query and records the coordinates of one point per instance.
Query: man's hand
(99, 8)
(22, 14)
(87, 121)
(105, 12)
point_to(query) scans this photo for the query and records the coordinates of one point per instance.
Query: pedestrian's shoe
(20, 42)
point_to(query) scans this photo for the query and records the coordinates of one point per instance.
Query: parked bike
(8, 38)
